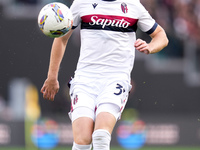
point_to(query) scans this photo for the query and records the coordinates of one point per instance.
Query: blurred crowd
(180, 18)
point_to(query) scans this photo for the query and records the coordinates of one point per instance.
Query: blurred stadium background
(163, 111)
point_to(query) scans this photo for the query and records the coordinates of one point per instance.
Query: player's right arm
(51, 84)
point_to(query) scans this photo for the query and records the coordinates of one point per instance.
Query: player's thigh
(107, 116)
(82, 130)
(105, 121)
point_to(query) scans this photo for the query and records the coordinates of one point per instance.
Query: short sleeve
(145, 22)
(75, 12)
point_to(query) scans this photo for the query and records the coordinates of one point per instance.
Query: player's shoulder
(81, 1)
(131, 1)
(137, 4)
(76, 1)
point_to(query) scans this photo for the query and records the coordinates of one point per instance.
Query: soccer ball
(55, 19)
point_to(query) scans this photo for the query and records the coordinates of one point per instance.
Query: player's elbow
(163, 38)
(166, 41)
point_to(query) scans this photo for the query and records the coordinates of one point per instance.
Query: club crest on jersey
(124, 7)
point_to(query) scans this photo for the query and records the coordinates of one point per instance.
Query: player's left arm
(158, 42)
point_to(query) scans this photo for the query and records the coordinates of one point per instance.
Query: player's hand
(142, 46)
(50, 89)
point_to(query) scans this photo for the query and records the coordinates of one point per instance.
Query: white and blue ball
(55, 19)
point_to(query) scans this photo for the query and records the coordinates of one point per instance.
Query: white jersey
(108, 33)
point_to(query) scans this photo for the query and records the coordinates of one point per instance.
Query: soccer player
(101, 83)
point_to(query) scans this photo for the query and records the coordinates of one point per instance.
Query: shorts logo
(75, 100)
(124, 8)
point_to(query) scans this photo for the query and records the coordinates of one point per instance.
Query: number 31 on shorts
(120, 89)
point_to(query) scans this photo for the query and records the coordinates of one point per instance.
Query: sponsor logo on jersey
(124, 8)
(108, 22)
